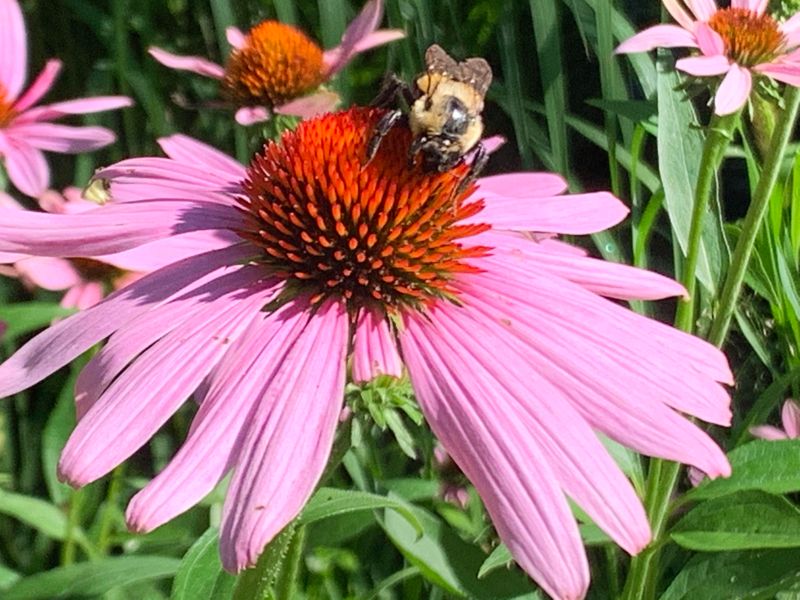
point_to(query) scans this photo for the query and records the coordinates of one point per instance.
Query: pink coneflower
(25, 130)
(275, 67)
(736, 42)
(790, 418)
(516, 357)
(86, 280)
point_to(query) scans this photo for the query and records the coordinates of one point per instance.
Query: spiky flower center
(750, 39)
(276, 63)
(370, 232)
(7, 112)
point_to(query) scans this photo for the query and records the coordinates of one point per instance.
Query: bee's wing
(439, 61)
(477, 73)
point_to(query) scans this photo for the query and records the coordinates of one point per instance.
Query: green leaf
(60, 424)
(451, 563)
(93, 578)
(329, 502)
(772, 466)
(744, 521)
(200, 574)
(39, 514)
(7, 577)
(757, 574)
(500, 557)
(26, 317)
(680, 146)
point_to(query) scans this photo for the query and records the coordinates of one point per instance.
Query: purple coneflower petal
(791, 29)
(48, 273)
(785, 72)
(679, 13)
(250, 115)
(149, 391)
(768, 432)
(582, 465)
(41, 85)
(658, 36)
(790, 417)
(704, 66)
(703, 9)
(81, 106)
(83, 295)
(62, 138)
(501, 458)
(310, 106)
(13, 48)
(195, 64)
(215, 439)
(189, 151)
(288, 440)
(756, 6)
(26, 166)
(67, 339)
(522, 185)
(733, 91)
(575, 214)
(109, 229)
(709, 41)
(235, 37)
(374, 349)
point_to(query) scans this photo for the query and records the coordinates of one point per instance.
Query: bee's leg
(382, 128)
(479, 161)
(393, 88)
(414, 147)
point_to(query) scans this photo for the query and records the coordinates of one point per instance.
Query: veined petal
(703, 9)
(216, 435)
(60, 343)
(62, 138)
(788, 73)
(195, 64)
(679, 13)
(757, 6)
(26, 166)
(146, 394)
(658, 36)
(108, 229)
(288, 440)
(709, 41)
(791, 26)
(768, 432)
(13, 48)
(521, 185)
(704, 66)
(80, 106)
(574, 214)
(310, 106)
(48, 273)
(374, 349)
(187, 150)
(790, 417)
(733, 91)
(41, 85)
(502, 460)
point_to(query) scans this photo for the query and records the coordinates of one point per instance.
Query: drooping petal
(13, 48)
(785, 72)
(67, 339)
(235, 37)
(790, 417)
(190, 151)
(574, 214)
(48, 273)
(250, 115)
(68, 139)
(360, 35)
(195, 64)
(704, 66)
(768, 432)
(521, 185)
(109, 229)
(709, 41)
(146, 394)
(41, 85)
(83, 295)
(288, 441)
(791, 28)
(679, 13)
(80, 106)
(26, 166)
(502, 460)
(702, 9)
(733, 91)
(374, 349)
(658, 36)
(318, 103)
(215, 438)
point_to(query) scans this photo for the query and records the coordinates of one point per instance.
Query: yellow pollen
(750, 39)
(276, 63)
(7, 112)
(379, 232)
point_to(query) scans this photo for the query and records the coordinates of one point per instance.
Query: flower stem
(663, 475)
(755, 215)
(720, 132)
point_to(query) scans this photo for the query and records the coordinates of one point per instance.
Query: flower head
(25, 129)
(515, 354)
(738, 42)
(276, 67)
(790, 418)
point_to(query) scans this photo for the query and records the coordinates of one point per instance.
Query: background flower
(25, 129)
(790, 418)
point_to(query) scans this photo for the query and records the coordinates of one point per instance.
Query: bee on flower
(277, 68)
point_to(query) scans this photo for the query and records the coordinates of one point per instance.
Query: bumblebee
(444, 112)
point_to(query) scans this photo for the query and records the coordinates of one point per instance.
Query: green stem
(109, 507)
(69, 547)
(755, 215)
(720, 132)
(663, 475)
